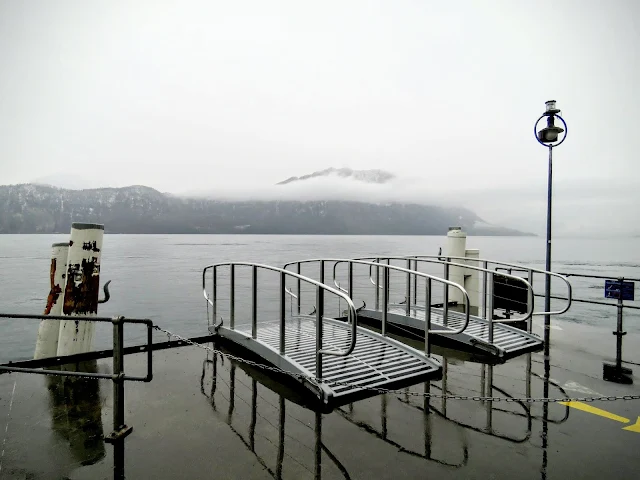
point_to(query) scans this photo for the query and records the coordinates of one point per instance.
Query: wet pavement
(205, 416)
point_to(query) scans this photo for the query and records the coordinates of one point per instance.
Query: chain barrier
(316, 381)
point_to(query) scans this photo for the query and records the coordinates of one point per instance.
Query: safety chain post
(120, 430)
(616, 372)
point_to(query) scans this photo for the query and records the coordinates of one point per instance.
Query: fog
(229, 98)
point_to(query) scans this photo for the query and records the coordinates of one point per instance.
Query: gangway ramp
(495, 337)
(339, 360)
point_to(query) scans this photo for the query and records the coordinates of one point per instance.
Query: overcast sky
(206, 95)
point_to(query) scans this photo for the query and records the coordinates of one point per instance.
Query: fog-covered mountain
(365, 176)
(32, 208)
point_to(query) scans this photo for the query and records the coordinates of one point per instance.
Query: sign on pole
(619, 289)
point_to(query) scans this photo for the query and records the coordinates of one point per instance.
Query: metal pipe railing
(321, 288)
(486, 272)
(386, 269)
(523, 268)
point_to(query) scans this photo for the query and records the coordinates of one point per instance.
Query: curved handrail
(513, 265)
(404, 270)
(435, 259)
(352, 311)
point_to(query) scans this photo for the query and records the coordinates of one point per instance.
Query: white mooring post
(82, 287)
(456, 247)
(472, 280)
(47, 342)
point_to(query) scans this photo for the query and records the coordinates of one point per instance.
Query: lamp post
(549, 137)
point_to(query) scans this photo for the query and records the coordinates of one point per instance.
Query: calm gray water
(159, 276)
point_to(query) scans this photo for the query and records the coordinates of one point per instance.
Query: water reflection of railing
(249, 439)
(487, 388)
(383, 433)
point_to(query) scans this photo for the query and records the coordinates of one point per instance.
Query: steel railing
(488, 274)
(321, 288)
(530, 271)
(387, 269)
(120, 429)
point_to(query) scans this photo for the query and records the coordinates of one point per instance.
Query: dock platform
(508, 342)
(376, 360)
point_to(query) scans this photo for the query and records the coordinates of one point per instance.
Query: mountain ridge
(29, 208)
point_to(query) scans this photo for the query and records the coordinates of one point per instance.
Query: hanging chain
(316, 381)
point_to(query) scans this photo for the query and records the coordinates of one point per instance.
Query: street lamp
(549, 137)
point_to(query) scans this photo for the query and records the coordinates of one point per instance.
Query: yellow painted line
(598, 411)
(635, 427)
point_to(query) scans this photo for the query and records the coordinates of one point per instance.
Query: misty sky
(211, 95)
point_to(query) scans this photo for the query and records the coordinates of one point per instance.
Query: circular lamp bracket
(554, 144)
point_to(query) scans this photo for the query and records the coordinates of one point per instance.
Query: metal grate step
(508, 341)
(376, 361)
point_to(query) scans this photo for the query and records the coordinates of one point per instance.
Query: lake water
(159, 276)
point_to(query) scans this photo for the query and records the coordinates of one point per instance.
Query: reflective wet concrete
(205, 416)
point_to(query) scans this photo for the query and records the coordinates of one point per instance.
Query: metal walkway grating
(376, 361)
(508, 341)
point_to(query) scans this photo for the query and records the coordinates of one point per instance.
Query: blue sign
(612, 289)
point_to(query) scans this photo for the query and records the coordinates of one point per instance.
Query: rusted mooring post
(47, 342)
(82, 285)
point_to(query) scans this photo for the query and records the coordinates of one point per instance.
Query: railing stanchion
(377, 285)
(485, 266)
(254, 301)
(232, 296)
(298, 282)
(415, 283)
(350, 279)
(445, 301)
(283, 284)
(319, 317)
(385, 299)
(214, 293)
(490, 312)
(427, 318)
(118, 396)
(532, 299)
(408, 290)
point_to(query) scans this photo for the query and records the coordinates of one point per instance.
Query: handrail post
(427, 318)
(232, 297)
(385, 299)
(415, 283)
(319, 317)
(298, 282)
(254, 301)
(350, 279)
(283, 281)
(377, 285)
(490, 312)
(533, 299)
(485, 266)
(214, 294)
(118, 398)
(408, 289)
(445, 301)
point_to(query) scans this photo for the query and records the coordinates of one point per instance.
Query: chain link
(380, 390)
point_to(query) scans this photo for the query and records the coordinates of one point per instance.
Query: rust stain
(83, 285)
(54, 291)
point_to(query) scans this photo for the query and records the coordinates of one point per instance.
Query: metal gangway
(336, 358)
(450, 323)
